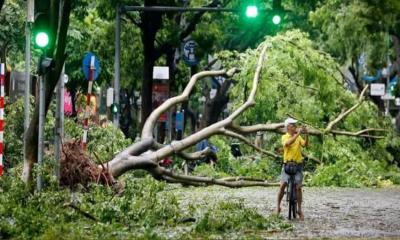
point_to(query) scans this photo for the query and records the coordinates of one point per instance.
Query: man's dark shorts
(298, 177)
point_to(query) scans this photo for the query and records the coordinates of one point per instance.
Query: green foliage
(14, 133)
(146, 209)
(231, 216)
(103, 142)
(47, 214)
(353, 27)
(300, 80)
(12, 18)
(355, 165)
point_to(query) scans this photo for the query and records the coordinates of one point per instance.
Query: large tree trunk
(51, 79)
(151, 23)
(3, 55)
(1, 4)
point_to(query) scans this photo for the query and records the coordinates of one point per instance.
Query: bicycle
(291, 191)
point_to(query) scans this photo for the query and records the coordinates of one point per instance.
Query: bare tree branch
(184, 182)
(269, 127)
(269, 153)
(248, 142)
(188, 156)
(363, 133)
(213, 181)
(85, 214)
(120, 165)
(229, 179)
(251, 99)
(344, 114)
(278, 128)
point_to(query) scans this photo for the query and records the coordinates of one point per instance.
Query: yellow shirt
(293, 151)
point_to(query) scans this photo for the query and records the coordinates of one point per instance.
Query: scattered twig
(85, 214)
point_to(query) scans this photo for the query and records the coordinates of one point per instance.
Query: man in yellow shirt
(292, 144)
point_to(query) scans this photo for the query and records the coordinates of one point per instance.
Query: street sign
(179, 121)
(161, 73)
(87, 59)
(387, 97)
(377, 89)
(397, 101)
(110, 97)
(159, 96)
(189, 52)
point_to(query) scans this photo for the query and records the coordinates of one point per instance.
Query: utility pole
(59, 128)
(117, 64)
(29, 21)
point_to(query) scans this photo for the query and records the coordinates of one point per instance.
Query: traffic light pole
(41, 130)
(29, 20)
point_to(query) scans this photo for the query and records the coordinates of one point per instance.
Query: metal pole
(177, 9)
(388, 76)
(29, 20)
(41, 129)
(117, 63)
(59, 128)
(387, 89)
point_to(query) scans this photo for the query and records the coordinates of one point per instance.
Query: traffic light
(42, 39)
(277, 12)
(44, 26)
(114, 108)
(251, 11)
(276, 19)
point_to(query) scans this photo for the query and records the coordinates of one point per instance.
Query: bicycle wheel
(294, 209)
(289, 195)
(294, 200)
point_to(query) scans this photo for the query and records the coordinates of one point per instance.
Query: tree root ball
(77, 167)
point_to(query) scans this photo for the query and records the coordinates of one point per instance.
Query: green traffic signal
(114, 108)
(42, 39)
(393, 89)
(251, 11)
(276, 19)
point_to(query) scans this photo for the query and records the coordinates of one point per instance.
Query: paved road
(329, 212)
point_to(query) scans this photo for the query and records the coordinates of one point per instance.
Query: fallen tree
(147, 153)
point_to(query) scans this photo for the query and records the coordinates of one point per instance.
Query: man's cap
(290, 121)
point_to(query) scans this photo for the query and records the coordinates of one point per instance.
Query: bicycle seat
(291, 168)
